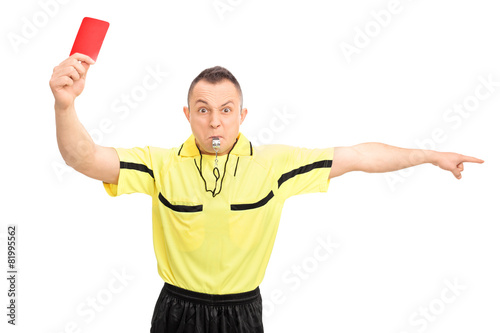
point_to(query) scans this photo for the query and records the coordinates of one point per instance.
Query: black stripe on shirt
(284, 177)
(303, 169)
(136, 166)
(180, 208)
(257, 204)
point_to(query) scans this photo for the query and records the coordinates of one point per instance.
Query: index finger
(83, 57)
(471, 159)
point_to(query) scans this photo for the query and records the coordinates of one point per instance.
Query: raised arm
(378, 157)
(75, 144)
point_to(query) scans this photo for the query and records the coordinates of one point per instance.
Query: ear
(187, 113)
(243, 115)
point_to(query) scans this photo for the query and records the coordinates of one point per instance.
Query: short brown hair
(215, 75)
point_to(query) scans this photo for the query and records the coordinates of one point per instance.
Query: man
(215, 209)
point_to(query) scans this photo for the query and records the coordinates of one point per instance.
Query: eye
(202, 110)
(227, 109)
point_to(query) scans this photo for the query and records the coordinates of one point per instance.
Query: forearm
(75, 144)
(380, 157)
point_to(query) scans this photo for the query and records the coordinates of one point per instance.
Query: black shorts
(179, 310)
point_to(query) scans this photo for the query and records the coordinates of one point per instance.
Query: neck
(212, 153)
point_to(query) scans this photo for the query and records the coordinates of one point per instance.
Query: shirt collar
(243, 147)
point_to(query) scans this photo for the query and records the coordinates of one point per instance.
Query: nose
(214, 120)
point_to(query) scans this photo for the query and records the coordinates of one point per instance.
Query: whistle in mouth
(215, 143)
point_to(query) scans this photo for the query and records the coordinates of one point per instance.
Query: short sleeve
(305, 171)
(136, 172)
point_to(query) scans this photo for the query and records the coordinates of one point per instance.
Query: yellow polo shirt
(219, 244)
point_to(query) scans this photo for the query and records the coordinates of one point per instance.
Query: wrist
(421, 156)
(432, 156)
(63, 108)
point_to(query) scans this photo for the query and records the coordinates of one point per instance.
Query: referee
(216, 199)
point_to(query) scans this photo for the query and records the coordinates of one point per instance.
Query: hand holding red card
(90, 37)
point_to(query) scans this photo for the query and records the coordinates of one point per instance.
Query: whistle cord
(236, 166)
(214, 171)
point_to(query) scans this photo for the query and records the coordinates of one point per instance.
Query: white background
(402, 235)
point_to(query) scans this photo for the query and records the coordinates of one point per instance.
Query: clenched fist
(68, 79)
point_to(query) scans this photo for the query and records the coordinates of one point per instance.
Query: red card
(90, 37)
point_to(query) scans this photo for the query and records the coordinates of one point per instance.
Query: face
(215, 111)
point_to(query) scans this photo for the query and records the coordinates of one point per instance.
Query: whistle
(216, 143)
(215, 146)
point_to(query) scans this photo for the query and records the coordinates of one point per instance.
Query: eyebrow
(202, 101)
